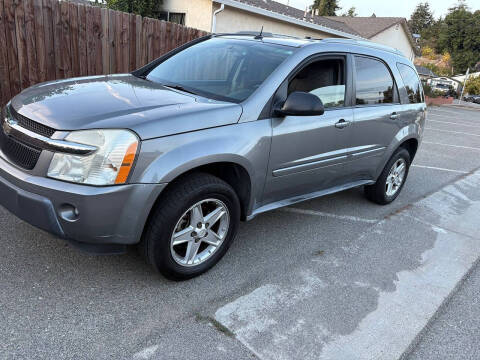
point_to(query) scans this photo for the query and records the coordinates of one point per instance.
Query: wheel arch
(407, 138)
(233, 173)
(411, 145)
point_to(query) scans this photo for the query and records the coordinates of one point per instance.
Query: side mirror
(301, 104)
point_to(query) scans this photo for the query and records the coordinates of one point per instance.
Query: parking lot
(332, 278)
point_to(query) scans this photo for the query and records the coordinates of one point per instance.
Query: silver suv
(175, 154)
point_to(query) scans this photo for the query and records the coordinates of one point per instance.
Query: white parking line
(452, 112)
(454, 123)
(440, 169)
(453, 132)
(439, 115)
(456, 120)
(455, 146)
(324, 214)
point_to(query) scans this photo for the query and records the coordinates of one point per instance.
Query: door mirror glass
(301, 104)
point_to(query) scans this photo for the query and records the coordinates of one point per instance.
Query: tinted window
(325, 79)
(374, 82)
(222, 68)
(412, 83)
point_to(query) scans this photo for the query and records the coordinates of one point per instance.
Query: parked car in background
(172, 156)
(470, 98)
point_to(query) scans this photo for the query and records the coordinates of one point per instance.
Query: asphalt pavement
(333, 278)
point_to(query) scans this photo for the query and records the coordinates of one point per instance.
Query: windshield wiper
(179, 87)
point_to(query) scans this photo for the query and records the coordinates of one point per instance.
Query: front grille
(18, 153)
(31, 125)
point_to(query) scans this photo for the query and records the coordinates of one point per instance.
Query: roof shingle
(368, 27)
(298, 14)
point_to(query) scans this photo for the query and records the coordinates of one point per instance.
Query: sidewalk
(399, 271)
(465, 105)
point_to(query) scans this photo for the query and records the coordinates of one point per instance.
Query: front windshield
(220, 68)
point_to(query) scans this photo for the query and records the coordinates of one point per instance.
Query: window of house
(374, 82)
(412, 83)
(175, 17)
(323, 78)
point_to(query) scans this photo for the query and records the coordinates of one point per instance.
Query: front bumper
(89, 217)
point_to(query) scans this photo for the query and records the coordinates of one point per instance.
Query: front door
(309, 153)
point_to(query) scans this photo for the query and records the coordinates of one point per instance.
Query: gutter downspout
(214, 20)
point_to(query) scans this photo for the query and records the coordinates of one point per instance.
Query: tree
(473, 85)
(459, 35)
(446, 57)
(325, 7)
(149, 8)
(429, 36)
(421, 19)
(351, 12)
(428, 52)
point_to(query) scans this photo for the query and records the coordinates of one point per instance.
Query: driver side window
(324, 79)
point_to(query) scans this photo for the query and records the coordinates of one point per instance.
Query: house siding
(395, 37)
(233, 20)
(198, 13)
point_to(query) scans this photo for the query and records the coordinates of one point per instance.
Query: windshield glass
(222, 69)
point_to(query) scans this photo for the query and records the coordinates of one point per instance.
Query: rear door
(414, 100)
(377, 115)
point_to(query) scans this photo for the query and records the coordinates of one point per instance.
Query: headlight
(110, 164)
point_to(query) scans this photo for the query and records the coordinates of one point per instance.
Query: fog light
(68, 212)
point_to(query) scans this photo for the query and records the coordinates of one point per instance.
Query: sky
(402, 8)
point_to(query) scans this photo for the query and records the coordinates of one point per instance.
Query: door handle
(341, 124)
(394, 116)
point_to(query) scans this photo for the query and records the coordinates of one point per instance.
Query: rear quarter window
(412, 83)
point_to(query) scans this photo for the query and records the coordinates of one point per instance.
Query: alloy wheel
(395, 177)
(200, 232)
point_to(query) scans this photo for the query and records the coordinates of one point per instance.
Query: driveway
(333, 278)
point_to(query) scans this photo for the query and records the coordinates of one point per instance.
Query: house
(424, 73)
(390, 31)
(444, 84)
(228, 16)
(461, 78)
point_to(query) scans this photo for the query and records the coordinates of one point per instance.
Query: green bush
(473, 85)
(427, 89)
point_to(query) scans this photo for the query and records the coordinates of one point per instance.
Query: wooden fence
(44, 40)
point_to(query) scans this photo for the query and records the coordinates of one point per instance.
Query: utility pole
(464, 82)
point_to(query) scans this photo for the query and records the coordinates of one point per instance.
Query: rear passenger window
(412, 83)
(374, 82)
(324, 79)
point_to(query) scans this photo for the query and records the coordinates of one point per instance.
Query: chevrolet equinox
(173, 155)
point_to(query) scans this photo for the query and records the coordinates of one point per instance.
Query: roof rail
(365, 43)
(256, 33)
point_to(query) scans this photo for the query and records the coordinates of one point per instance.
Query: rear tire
(179, 237)
(379, 192)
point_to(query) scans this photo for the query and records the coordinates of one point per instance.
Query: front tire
(391, 180)
(192, 227)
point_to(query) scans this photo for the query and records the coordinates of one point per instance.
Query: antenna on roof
(259, 36)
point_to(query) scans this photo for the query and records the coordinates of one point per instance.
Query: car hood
(121, 101)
